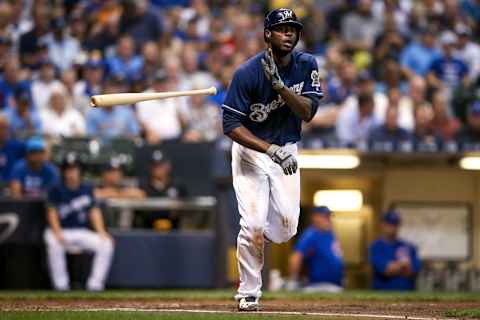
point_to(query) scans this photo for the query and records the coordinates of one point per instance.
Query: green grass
(54, 315)
(463, 313)
(356, 295)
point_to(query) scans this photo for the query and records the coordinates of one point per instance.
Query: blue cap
(35, 144)
(392, 217)
(321, 210)
(474, 108)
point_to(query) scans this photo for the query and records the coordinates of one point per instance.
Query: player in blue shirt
(11, 151)
(34, 175)
(268, 98)
(320, 251)
(394, 261)
(72, 209)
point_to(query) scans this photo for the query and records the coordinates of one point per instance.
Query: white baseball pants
(78, 239)
(269, 206)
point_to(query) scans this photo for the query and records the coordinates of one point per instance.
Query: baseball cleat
(248, 304)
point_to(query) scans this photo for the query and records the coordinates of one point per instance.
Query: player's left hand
(271, 70)
(284, 158)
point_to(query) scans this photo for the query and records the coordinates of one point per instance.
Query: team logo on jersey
(315, 76)
(259, 111)
(286, 14)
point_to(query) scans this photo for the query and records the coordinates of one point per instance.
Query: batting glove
(271, 70)
(284, 158)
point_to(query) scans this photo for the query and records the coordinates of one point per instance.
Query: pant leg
(252, 191)
(103, 253)
(57, 261)
(284, 204)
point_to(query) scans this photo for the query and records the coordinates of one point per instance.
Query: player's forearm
(97, 220)
(294, 265)
(53, 221)
(300, 105)
(247, 139)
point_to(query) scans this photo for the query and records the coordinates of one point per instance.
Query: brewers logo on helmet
(282, 16)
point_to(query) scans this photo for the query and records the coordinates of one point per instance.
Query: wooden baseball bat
(106, 100)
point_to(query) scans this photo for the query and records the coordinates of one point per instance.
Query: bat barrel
(105, 100)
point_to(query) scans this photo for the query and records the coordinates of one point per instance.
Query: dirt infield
(404, 309)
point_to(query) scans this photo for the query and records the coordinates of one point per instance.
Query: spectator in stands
(159, 183)
(405, 110)
(34, 175)
(464, 96)
(468, 50)
(202, 120)
(151, 59)
(353, 126)
(423, 133)
(443, 125)
(140, 22)
(125, 63)
(366, 86)
(62, 48)
(112, 183)
(91, 84)
(319, 250)
(359, 27)
(161, 119)
(394, 261)
(30, 41)
(113, 121)
(388, 45)
(408, 103)
(24, 119)
(417, 57)
(59, 119)
(447, 71)
(11, 150)
(42, 86)
(72, 210)
(470, 133)
(10, 81)
(389, 136)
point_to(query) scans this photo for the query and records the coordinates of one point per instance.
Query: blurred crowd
(397, 74)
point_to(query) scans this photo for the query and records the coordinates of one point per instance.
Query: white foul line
(283, 313)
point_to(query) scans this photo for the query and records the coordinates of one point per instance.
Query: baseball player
(268, 98)
(71, 210)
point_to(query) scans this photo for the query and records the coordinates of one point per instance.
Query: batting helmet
(282, 16)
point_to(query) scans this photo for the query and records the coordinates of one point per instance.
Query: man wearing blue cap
(34, 175)
(319, 250)
(394, 261)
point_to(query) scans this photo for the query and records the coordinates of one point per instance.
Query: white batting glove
(284, 158)
(271, 70)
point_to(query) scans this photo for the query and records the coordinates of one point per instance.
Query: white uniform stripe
(313, 92)
(233, 109)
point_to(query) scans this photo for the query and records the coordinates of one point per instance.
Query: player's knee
(50, 239)
(251, 235)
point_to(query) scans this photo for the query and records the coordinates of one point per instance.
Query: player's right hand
(284, 158)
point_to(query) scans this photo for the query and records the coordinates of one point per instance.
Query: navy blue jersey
(322, 255)
(35, 183)
(381, 253)
(72, 206)
(252, 102)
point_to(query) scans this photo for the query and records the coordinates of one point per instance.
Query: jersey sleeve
(312, 87)
(236, 104)
(305, 243)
